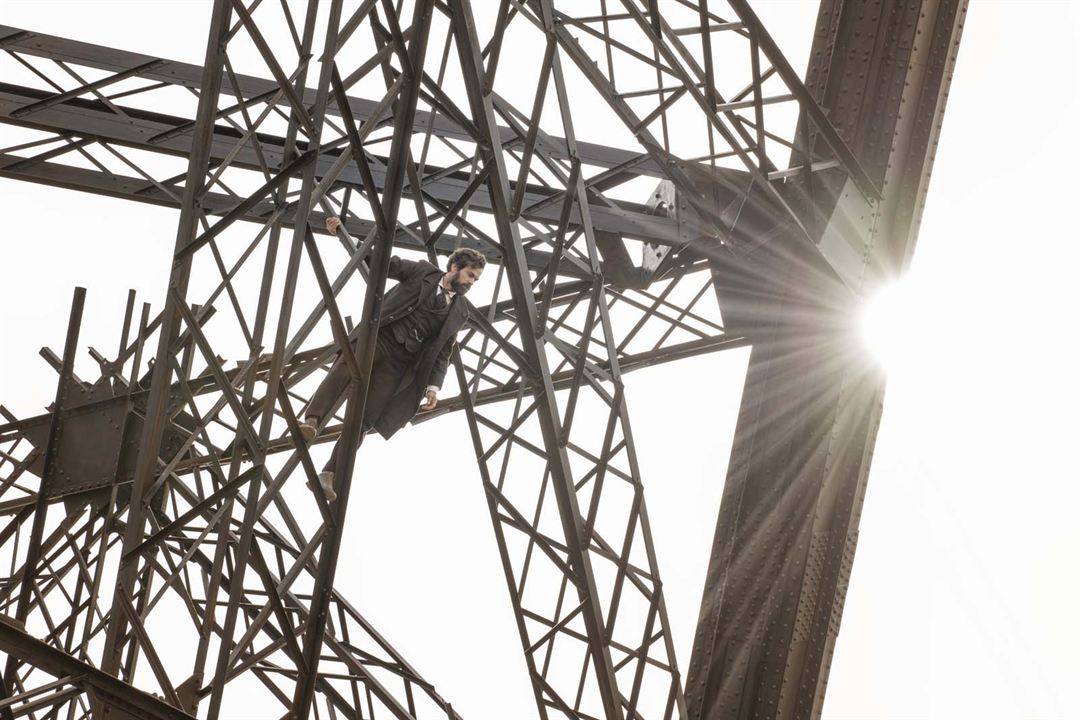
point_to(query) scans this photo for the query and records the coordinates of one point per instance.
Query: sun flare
(889, 324)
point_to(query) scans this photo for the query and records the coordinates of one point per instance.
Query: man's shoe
(326, 481)
(308, 429)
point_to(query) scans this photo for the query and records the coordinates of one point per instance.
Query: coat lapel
(455, 318)
(427, 286)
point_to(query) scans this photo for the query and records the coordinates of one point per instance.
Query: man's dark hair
(466, 257)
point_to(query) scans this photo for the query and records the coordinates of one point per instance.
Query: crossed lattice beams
(208, 522)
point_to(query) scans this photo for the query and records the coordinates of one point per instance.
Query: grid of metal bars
(194, 521)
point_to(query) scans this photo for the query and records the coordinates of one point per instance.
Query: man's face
(461, 279)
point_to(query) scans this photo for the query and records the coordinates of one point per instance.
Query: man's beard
(457, 286)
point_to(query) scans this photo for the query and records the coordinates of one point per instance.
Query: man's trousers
(391, 364)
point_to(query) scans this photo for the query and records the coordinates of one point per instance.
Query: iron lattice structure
(170, 492)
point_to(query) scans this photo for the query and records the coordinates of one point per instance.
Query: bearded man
(421, 317)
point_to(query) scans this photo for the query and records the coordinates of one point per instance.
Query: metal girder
(136, 189)
(119, 696)
(156, 132)
(567, 618)
(121, 614)
(304, 364)
(187, 75)
(94, 120)
(731, 136)
(171, 512)
(540, 371)
(412, 61)
(788, 525)
(48, 481)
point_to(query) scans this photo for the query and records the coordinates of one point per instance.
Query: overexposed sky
(962, 601)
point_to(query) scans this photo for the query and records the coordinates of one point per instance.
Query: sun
(889, 325)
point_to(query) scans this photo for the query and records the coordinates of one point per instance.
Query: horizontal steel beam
(200, 386)
(19, 644)
(160, 133)
(93, 119)
(127, 187)
(189, 75)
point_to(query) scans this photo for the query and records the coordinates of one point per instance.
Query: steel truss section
(195, 524)
(94, 121)
(191, 505)
(74, 678)
(789, 518)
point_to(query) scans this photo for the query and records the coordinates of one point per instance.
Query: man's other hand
(430, 401)
(332, 224)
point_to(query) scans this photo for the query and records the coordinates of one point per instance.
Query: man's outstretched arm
(400, 269)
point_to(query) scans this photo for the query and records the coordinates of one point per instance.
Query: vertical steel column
(150, 443)
(490, 144)
(280, 197)
(797, 451)
(242, 552)
(788, 523)
(639, 515)
(41, 503)
(345, 454)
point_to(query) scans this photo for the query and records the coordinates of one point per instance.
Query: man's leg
(387, 368)
(326, 395)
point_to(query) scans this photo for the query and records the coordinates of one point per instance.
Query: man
(421, 316)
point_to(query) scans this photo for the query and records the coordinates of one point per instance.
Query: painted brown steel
(788, 523)
(345, 454)
(463, 27)
(567, 317)
(95, 123)
(28, 582)
(158, 399)
(16, 643)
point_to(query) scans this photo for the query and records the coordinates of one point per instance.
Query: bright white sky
(965, 587)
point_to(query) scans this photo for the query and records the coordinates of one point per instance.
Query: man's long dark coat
(416, 280)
